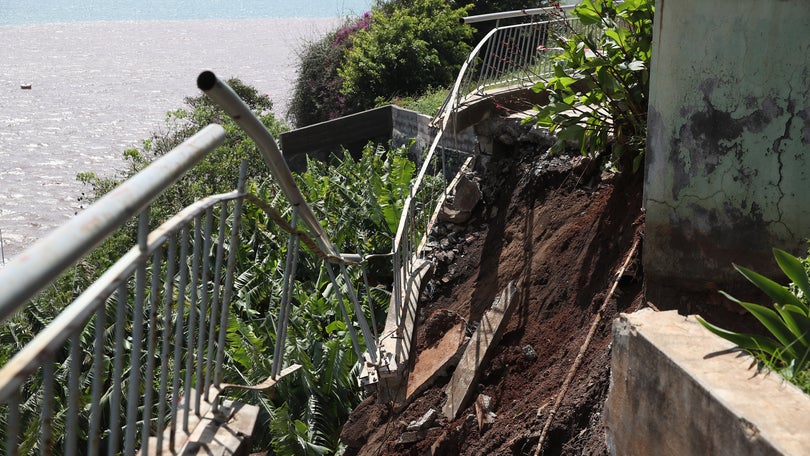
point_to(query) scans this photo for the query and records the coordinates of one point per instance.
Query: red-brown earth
(560, 229)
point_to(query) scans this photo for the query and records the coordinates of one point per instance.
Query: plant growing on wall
(598, 93)
(788, 321)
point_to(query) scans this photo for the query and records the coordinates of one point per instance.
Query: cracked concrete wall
(729, 124)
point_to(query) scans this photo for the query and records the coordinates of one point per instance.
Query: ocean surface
(103, 76)
(14, 12)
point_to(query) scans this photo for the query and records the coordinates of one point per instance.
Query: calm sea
(15, 12)
(104, 74)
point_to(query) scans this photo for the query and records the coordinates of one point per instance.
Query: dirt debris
(559, 227)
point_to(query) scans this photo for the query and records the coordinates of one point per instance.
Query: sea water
(102, 76)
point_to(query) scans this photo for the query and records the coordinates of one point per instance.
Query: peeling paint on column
(728, 135)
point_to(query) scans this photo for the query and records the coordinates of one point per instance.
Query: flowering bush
(317, 94)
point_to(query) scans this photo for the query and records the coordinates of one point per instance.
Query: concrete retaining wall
(381, 125)
(676, 389)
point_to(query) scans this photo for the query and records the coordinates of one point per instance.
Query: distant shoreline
(135, 21)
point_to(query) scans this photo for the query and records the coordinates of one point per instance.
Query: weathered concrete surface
(729, 128)
(486, 337)
(226, 432)
(676, 389)
(435, 361)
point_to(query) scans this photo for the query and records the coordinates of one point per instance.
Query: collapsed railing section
(508, 56)
(142, 350)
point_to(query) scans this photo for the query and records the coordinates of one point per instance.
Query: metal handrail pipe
(74, 316)
(65, 245)
(225, 97)
(514, 13)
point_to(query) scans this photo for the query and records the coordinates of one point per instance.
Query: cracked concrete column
(727, 146)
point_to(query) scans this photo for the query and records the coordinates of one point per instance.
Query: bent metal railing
(512, 56)
(141, 350)
(507, 57)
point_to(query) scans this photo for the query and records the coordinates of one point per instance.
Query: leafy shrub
(418, 45)
(316, 96)
(599, 91)
(427, 103)
(788, 351)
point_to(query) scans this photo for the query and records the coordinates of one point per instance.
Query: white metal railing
(517, 55)
(143, 347)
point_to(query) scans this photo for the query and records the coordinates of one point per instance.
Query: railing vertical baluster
(223, 217)
(541, 54)
(94, 431)
(342, 306)
(228, 295)
(485, 62)
(289, 274)
(13, 425)
(71, 438)
(500, 38)
(525, 52)
(510, 58)
(168, 294)
(359, 315)
(201, 337)
(46, 426)
(368, 294)
(178, 334)
(137, 337)
(192, 322)
(151, 341)
(397, 278)
(118, 368)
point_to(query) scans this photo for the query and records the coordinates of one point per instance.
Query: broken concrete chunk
(529, 353)
(483, 412)
(423, 423)
(467, 195)
(412, 436)
(448, 214)
(435, 361)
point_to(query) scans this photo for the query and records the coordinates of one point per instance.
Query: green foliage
(427, 103)
(599, 91)
(421, 43)
(316, 95)
(788, 322)
(359, 202)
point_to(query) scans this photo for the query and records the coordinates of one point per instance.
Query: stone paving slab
(485, 338)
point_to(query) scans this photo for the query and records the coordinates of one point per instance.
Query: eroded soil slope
(560, 229)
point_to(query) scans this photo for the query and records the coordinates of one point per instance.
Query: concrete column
(728, 141)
